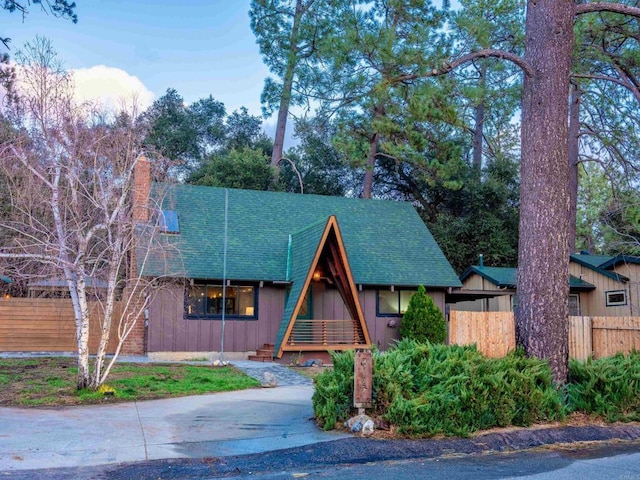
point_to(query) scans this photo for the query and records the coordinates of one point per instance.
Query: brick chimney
(135, 343)
(141, 190)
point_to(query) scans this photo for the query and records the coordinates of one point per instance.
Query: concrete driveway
(222, 424)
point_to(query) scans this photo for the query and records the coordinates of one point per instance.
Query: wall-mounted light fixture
(317, 275)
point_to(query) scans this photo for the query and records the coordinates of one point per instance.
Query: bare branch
(485, 53)
(607, 7)
(607, 78)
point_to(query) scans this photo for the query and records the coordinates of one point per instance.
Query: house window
(393, 303)
(574, 305)
(616, 298)
(206, 301)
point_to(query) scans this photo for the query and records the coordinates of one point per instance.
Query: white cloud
(112, 87)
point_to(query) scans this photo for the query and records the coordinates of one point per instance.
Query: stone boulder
(269, 380)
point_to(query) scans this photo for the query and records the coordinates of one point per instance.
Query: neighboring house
(599, 285)
(500, 283)
(305, 273)
(617, 282)
(57, 287)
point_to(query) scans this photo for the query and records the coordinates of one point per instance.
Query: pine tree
(423, 321)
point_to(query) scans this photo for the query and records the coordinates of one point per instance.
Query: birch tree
(70, 184)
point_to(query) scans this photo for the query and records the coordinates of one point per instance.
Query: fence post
(362, 380)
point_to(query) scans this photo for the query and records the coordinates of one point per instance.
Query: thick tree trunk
(574, 144)
(543, 252)
(287, 86)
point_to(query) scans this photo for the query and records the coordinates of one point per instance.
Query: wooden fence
(47, 325)
(494, 334)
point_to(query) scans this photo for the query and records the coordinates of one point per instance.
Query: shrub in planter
(423, 321)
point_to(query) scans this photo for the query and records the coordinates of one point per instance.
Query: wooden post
(362, 380)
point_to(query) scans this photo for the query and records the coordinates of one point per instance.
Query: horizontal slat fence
(494, 334)
(48, 325)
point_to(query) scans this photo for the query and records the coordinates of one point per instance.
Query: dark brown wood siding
(170, 331)
(382, 334)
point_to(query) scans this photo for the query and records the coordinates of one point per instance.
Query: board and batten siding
(170, 331)
(594, 303)
(632, 272)
(502, 303)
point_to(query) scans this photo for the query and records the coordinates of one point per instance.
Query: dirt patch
(311, 372)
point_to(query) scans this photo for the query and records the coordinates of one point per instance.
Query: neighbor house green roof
(598, 263)
(505, 277)
(386, 242)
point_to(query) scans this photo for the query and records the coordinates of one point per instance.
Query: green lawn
(51, 382)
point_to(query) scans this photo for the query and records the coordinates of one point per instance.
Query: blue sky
(198, 47)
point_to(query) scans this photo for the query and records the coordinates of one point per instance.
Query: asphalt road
(339, 460)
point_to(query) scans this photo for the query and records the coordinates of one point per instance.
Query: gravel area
(285, 376)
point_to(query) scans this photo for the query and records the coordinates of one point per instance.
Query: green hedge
(609, 387)
(425, 389)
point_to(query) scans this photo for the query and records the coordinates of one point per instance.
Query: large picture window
(205, 301)
(393, 304)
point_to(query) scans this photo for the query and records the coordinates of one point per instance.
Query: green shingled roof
(592, 260)
(506, 277)
(598, 263)
(304, 246)
(386, 242)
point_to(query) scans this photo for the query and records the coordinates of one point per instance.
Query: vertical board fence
(494, 334)
(48, 325)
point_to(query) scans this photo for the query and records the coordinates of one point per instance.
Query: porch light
(317, 275)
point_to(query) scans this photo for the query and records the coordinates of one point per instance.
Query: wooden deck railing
(325, 333)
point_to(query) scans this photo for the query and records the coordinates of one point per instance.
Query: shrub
(333, 394)
(423, 321)
(424, 389)
(609, 387)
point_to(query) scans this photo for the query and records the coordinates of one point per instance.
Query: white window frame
(614, 303)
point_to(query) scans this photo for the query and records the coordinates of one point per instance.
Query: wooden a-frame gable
(319, 248)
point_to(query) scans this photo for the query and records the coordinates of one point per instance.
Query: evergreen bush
(333, 395)
(424, 389)
(423, 321)
(609, 387)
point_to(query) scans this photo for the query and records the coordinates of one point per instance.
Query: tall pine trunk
(287, 86)
(478, 131)
(543, 253)
(367, 186)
